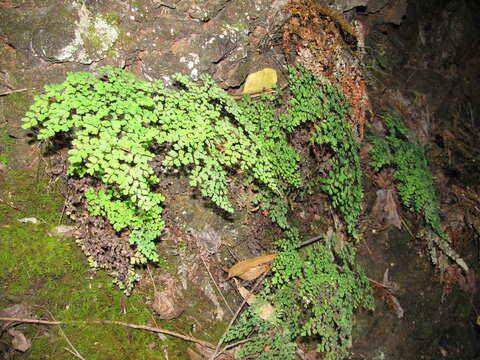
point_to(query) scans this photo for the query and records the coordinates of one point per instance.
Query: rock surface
(420, 68)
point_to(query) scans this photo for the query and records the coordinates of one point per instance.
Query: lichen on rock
(78, 36)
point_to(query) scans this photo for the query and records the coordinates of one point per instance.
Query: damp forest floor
(49, 276)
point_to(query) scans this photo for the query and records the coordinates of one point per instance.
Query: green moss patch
(51, 277)
(6, 144)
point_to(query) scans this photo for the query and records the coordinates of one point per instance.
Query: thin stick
(216, 285)
(157, 330)
(78, 356)
(312, 240)
(333, 217)
(12, 206)
(235, 344)
(379, 284)
(108, 322)
(18, 209)
(217, 349)
(74, 351)
(151, 278)
(154, 292)
(8, 92)
(407, 227)
(32, 321)
(61, 216)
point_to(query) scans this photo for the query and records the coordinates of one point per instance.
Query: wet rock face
(205, 10)
(61, 32)
(54, 33)
(229, 40)
(152, 38)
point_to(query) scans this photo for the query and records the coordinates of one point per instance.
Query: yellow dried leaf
(252, 299)
(255, 272)
(259, 81)
(246, 265)
(266, 310)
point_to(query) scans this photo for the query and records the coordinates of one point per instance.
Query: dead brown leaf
(19, 341)
(246, 265)
(266, 310)
(313, 355)
(387, 289)
(397, 307)
(18, 311)
(165, 302)
(388, 283)
(255, 272)
(15, 311)
(385, 209)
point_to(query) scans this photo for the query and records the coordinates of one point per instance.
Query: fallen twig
(12, 206)
(8, 92)
(110, 322)
(157, 330)
(235, 344)
(312, 240)
(151, 278)
(73, 350)
(77, 355)
(217, 349)
(215, 283)
(380, 284)
(20, 210)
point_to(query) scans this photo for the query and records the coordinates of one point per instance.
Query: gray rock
(162, 66)
(214, 47)
(171, 4)
(74, 34)
(54, 34)
(19, 30)
(372, 6)
(345, 5)
(64, 230)
(205, 10)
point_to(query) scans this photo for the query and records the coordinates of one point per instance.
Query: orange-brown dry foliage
(325, 44)
(450, 277)
(384, 295)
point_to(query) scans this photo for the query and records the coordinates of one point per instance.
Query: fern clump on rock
(401, 150)
(315, 290)
(120, 124)
(128, 135)
(324, 104)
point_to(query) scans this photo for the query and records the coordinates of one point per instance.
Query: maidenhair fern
(317, 99)
(110, 117)
(400, 149)
(322, 282)
(119, 124)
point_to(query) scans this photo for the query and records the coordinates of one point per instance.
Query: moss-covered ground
(50, 275)
(6, 144)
